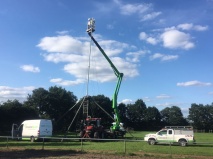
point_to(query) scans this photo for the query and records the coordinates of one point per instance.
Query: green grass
(203, 147)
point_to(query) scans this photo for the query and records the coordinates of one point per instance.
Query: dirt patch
(60, 154)
(70, 154)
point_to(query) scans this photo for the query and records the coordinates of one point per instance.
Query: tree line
(63, 108)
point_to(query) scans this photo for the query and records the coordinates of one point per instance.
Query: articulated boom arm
(119, 77)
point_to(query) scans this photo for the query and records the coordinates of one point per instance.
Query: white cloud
(176, 39)
(150, 16)
(148, 39)
(193, 83)
(156, 56)
(190, 26)
(173, 37)
(127, 101)
(163, 96)
(75, 51)
(63, 57)
(185, 26)
(200, 28)
(142, 36)
(169, 57)
(62, 82)
(129, 9)
(62, 44)
(152, 40)
(112, 47)
(163, 57)
(135, 56)
(143, 10)
(30, 68)
(10, 93)
(64, 32)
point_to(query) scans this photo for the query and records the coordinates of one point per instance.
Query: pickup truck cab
(172, 134)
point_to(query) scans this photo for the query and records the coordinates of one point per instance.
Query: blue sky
(164, 48)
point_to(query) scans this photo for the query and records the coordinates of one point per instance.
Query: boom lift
(91, 127)
(117, 126)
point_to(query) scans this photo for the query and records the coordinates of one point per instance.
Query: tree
(173, 116)
(136, 114)
(153, 118)
(201, 116)
(14, 112)
(60, 102)
(122, 108)
(39, 99)
(53, 104)
(96, 111)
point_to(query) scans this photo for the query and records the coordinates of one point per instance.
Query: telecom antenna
(91, 25)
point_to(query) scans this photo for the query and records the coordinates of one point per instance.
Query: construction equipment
(117, 127)
(92, 128)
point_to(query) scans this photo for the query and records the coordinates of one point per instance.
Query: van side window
(170, 131)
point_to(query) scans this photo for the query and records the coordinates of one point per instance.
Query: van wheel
(182, 143)
(32, 139)
(151, 141)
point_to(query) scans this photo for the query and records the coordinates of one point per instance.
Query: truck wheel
(151, 141)
(182, 143)
(32, 139)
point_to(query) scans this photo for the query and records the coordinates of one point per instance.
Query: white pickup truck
(172, 134)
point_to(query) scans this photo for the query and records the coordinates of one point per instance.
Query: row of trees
(57, 104)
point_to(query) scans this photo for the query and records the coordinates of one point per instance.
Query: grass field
(204, 146)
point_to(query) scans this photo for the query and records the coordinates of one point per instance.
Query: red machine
(92, 128)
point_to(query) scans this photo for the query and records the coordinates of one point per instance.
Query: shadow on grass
(190, 145)
(37, 153)
(39, 144)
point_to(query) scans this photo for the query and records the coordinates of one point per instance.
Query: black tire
(182, 143)
(151, 141)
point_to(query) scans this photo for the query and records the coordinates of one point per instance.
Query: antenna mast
(90, 29)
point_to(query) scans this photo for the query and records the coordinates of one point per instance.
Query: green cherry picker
(117, 127)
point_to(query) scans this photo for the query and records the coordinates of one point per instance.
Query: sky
(164, 49)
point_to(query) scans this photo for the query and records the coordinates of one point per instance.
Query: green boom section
(119, 79)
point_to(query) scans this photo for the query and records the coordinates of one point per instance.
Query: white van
(32, 129)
